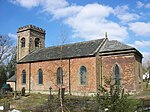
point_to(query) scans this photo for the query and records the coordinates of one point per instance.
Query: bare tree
(6, 49)
(62, 73)
(6, 52)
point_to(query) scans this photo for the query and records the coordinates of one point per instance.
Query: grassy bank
(39, 102)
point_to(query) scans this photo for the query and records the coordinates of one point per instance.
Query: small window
(40, 76)
(59, 76)
(23, 42)
(23, 77)
(83, 75)
(37, 42)
(117, 75)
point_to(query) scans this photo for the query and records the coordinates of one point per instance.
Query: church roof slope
(12, 79)
(80, 49)
(114, 45)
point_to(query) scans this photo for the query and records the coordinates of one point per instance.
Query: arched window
(37, 42)
(83, 75)
(117, 75)
(23, 42)
(23, 77)
(40, 76)
(59, 76)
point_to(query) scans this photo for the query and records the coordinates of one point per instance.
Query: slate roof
(12, 79)
(114, 45)
(80, 49)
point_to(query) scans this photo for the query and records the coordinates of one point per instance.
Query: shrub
(111, 98)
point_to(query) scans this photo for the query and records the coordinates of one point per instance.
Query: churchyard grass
(34, 102)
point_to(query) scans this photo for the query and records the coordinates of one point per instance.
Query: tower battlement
(30, 38)
(31, 27)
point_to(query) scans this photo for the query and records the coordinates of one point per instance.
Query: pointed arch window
(83, 75)
(37, 42)
(23, 41)
(40, 76)
(59, 76)
(23, 77)
(117, 75)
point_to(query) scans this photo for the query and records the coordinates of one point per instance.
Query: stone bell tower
(30, 39)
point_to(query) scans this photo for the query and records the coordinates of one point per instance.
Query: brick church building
(78, 67)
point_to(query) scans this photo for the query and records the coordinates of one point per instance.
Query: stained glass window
(83, 75)
(59, 76)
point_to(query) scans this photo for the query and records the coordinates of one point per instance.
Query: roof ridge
(51, 47)
(101, 45)
(78, 49)
(75, 43)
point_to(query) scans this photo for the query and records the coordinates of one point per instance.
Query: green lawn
(73, 103)
(25, 102)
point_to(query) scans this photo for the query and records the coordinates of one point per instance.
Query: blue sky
(127, 21)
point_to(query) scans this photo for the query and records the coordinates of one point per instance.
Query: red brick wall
(127, 66)
(91, 72)
(96, 66)
(49, 75)
(20, 68)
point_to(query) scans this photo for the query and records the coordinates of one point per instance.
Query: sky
(127, 21)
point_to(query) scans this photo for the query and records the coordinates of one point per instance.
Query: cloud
(127, 17)
(67, 12)
(91, 22)
(140, 4)
(27, 3)
(88, 22)
(122, 12)
(147, 5)
(140, 28)
(14, 36)
(51, 6)
(146, 58)
(142, 43)
(47, 5)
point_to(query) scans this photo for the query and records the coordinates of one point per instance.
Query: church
(80, 67)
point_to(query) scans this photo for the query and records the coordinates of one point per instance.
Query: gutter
(114, 52)
(32, 61)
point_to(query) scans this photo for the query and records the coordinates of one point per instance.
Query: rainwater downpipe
(29, 77)
(69, 79)
(101, 73)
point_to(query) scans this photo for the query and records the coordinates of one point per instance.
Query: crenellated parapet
(30, 39)
(31, 27)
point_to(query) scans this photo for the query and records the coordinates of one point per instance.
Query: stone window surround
(23, 76)
(23, 42)
(59, 76)
(37, 42)
(120, 71)
(86, 78)
(40, 76)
